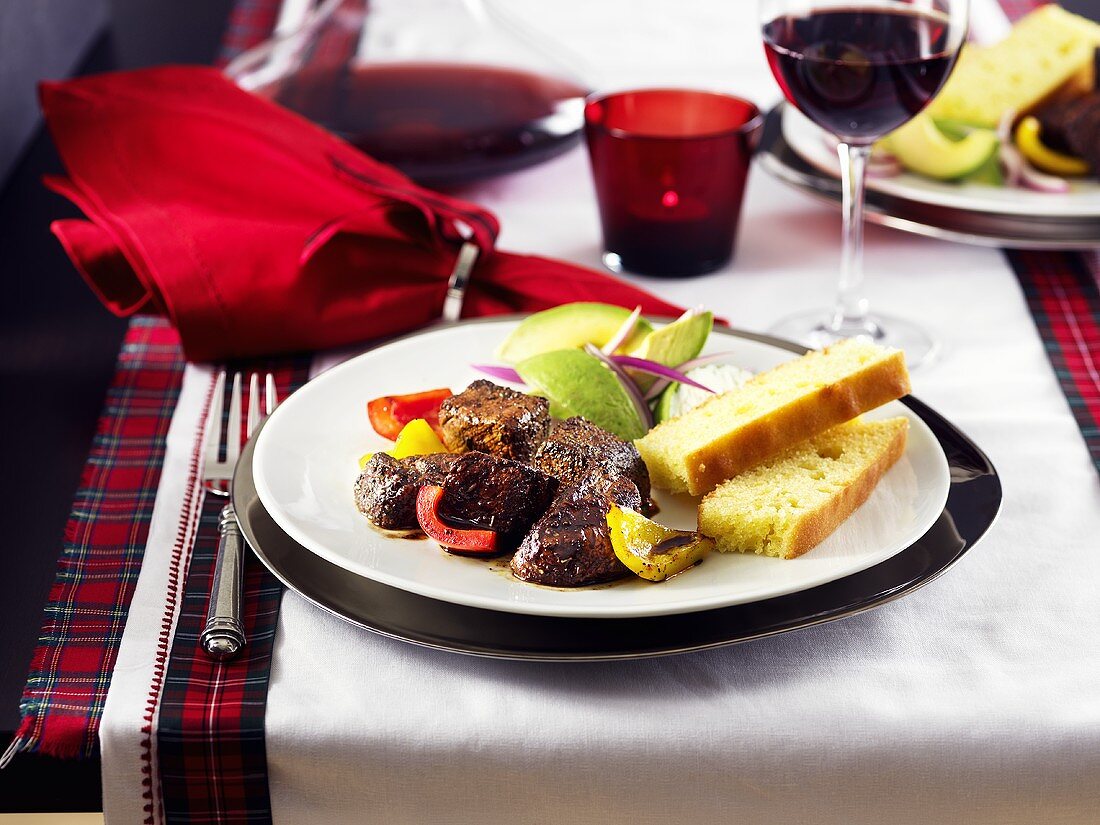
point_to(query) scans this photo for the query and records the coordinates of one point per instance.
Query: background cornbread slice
(788, 505)
(798, 399)
(1045, 50)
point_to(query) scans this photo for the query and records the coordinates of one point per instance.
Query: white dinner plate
(810, 142)
(306, 463)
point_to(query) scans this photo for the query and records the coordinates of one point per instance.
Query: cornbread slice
(790, 504)
(729, 433)
(1046, 49)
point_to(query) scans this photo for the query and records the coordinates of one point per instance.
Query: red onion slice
(660, 370)
(503, 373)
(886, 169)
(645, 414)
(701, 361)
(624, 332)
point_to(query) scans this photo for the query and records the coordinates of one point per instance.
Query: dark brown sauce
(416, 534)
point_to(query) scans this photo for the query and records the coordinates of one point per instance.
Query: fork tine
(233, 434)
(253, 403)
(272, 395)
(214, 422)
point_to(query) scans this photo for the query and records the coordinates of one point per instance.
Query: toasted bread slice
(787, 506)
(732, 432)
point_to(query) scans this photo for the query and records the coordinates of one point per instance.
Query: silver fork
(223, 635)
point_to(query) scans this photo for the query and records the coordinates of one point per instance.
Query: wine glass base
(814, 329)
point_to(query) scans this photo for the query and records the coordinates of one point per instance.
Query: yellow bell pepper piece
(652, 550)
(1029, 142)
(416, 438)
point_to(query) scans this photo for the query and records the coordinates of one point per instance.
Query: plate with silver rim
(936, 220)
(973, 501)
(306, 464)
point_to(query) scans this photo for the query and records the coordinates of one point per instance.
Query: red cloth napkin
(257, 232)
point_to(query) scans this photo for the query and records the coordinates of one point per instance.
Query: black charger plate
(973, 501)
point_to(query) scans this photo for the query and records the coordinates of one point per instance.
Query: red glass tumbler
(670, 168)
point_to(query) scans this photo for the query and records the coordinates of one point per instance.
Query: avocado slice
(673, 344)
(576, 383)
(569, 326)
(923, 148)
(680, 341)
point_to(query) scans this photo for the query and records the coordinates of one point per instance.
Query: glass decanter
(448, 91)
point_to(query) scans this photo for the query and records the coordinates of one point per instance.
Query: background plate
(972, 505)
(957, 225)
(809, 141)
(306, 464)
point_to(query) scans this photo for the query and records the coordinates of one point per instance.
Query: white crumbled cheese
(718, 377)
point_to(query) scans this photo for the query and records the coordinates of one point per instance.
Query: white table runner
(975, 699)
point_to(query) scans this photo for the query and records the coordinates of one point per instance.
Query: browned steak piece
(578, 450)
(1083, 130)
(432, 468)
(497, 494)
(494, 420)
(1064, 125)
(385, 491)
(1054, 120)
(570, 545)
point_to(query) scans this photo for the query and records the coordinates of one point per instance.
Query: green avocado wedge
(673, 344)
(922, 147)
(576, 383)
(569, 326)
(680, 341)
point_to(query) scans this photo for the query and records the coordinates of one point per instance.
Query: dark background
(58, 348)
(57, 355)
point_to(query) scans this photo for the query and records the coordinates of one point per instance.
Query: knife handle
(223, 636)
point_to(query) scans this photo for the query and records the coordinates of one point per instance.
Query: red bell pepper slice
(473, 541)
(390, 413)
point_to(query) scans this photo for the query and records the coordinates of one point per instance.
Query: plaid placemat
(1063, 293)
(211, 756)
(104, 543)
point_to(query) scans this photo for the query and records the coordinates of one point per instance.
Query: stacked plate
(293, 496)
(798, 153)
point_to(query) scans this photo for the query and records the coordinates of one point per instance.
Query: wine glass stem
(850, 314)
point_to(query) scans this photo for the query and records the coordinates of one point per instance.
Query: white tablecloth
(975, 699)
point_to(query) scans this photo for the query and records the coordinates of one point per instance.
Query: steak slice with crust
(385, 491)
(570, 546)
(496, 494)
(577, 450)
(496, 420)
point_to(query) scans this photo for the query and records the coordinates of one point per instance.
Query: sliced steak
(495, 420)
(570, 545)
(577, 450)
(497, 494)
(386, 489)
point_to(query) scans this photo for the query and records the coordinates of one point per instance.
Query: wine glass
(860, 69)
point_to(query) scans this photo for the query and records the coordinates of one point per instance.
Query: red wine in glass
(441, 123)
(860, 69)
(860, 72)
